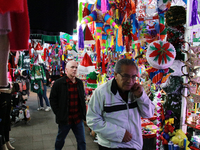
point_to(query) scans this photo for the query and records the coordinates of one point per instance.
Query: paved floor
(41, 131)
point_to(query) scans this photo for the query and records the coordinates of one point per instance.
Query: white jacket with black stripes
(110, 116)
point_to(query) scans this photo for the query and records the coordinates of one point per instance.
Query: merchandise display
(160, 36)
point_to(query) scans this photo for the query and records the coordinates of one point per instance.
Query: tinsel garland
(175, 16)
(158, 140)
(126, 28)
(175, 36)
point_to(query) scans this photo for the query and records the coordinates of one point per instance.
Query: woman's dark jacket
(59, 100)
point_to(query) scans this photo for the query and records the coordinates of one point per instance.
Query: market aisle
(41, 131)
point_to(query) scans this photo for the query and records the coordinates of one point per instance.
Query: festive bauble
(160, 54)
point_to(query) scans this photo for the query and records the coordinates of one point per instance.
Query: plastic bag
(146, 10)
(179, 138)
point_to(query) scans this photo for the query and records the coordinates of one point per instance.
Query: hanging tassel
(103, 64)
(119, 38)
(161, 18)
(134, 23)
(80, 38)
(45, 54)
(103, 6)
(98, 4)
(128, 42)
(112, 41)
(107, 45)
(63, 65)
(92, 27)
(68, 38)
(117, 14)
(80, 14)
(107, 5)
(98, 51)
(133, 8)
(194, 13)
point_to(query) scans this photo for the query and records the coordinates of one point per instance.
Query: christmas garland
(175, 16)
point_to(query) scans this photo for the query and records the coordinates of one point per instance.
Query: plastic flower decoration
(161, 54)
(161, 51)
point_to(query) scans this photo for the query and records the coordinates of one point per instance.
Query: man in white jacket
(116, 107)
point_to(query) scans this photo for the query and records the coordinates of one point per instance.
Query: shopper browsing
(116, 107)
(42, 96)
(67, 99)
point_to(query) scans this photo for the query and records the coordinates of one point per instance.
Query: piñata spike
(99, 27)
(91, 17)
(80, 14)
(103, 6)
(103, 42)
(108, 30)
(110, 21)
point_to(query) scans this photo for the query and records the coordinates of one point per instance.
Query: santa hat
(92, 80)
(38, 47)
(88, 38)
(86, 66)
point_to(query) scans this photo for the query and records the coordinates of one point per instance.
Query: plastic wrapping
(146, 10)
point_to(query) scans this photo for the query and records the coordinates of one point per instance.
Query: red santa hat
(88, 38)
(38, 47)
(86, 66)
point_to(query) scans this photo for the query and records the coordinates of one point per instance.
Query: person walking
(116, 107)
(67, 99)
(43, 95)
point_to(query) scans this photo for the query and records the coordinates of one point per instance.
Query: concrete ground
(40, 132)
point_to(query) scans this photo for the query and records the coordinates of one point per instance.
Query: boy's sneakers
(40, 108)
(48, 108)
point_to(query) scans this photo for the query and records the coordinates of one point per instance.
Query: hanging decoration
(158, 140)
(80, 38)
(194, 15)
(107, 29)
(159, 76)
(80, 15)
(175, 35)
(146, 10)
(99, 16)
(92, 80)
(88, 38)
(86, 66)
(175, 16)
(164, 5)
(162, 31)
(160, 54)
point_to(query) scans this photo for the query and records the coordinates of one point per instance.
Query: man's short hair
(126, 62)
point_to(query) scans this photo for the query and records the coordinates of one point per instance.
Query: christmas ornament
(160, 54)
